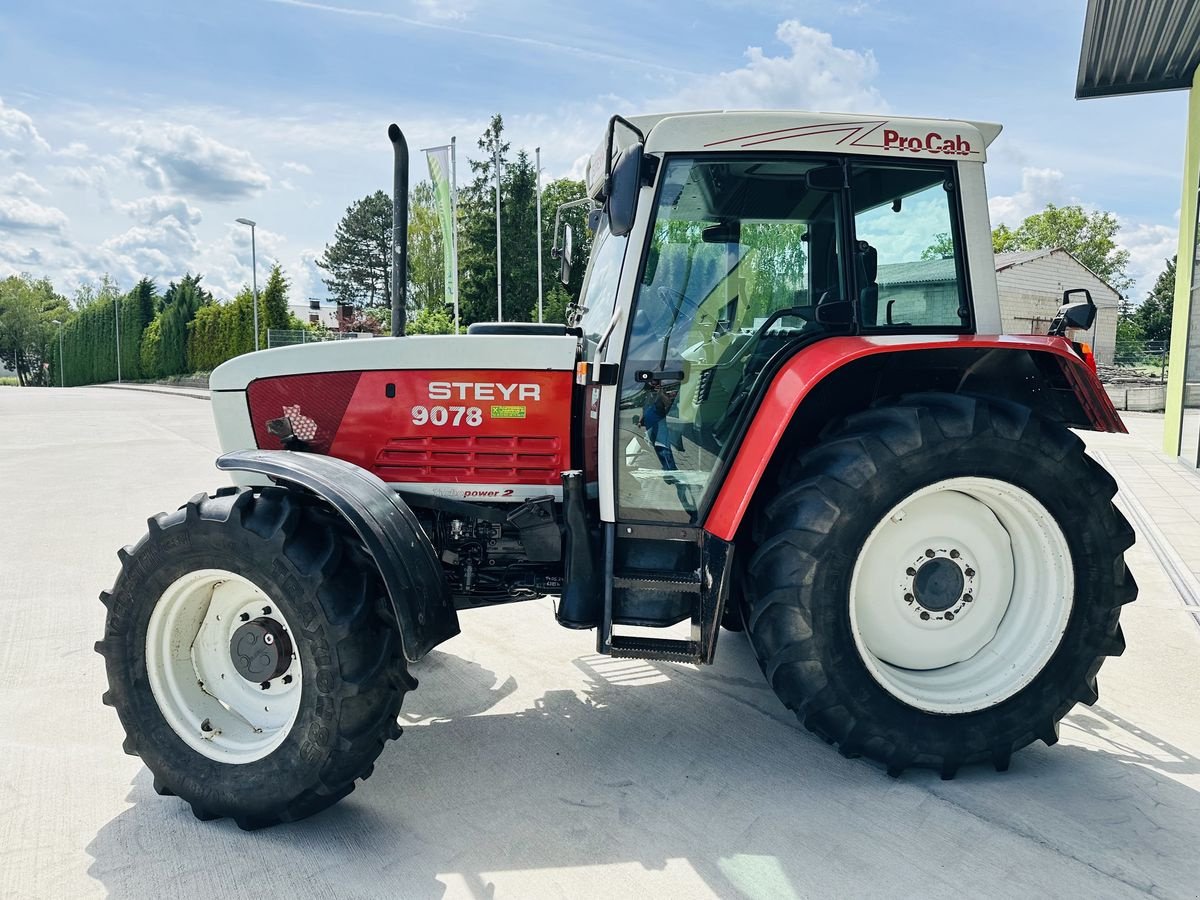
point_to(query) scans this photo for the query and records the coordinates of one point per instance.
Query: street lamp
(253, 275)
(62, 373)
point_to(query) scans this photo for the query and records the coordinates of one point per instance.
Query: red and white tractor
(782, 404)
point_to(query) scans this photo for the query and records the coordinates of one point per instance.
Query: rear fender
(406, 560)
(1042, 372)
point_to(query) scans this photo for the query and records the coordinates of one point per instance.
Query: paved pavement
(530, 767)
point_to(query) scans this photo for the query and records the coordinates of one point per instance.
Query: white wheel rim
(214, 709)
(986, 617)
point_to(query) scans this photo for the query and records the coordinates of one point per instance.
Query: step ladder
(674, 570)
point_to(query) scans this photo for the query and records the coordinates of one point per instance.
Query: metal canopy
(1137, 46)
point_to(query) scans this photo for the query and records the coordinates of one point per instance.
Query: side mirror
(565, 254)
(623, 185)
(1080, 314)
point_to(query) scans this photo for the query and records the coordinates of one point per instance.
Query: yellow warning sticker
(508, 412)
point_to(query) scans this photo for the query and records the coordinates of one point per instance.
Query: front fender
(402, 552)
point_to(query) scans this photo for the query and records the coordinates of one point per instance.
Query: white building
(1031, 285)
(315, 312)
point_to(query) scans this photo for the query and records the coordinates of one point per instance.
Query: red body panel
(445, 426)
(809, 366)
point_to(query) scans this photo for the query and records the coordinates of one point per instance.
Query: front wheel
(938, 582)
(248, 659)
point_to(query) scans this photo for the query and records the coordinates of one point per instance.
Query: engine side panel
(462, 433)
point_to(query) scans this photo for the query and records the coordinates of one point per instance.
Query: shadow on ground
(687, 780)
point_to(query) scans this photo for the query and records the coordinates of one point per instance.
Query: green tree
(942, 247)
(477, 230)
(557, 298)
(28, 337)
(1154, 315)
(359, 261)
(1089, 237)
(431, 320)
(273, 304)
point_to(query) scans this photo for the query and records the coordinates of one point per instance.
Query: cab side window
(906, 221)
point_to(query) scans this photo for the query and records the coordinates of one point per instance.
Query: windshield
(742, 251)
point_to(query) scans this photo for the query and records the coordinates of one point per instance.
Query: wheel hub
(261, 650)
(938, 584)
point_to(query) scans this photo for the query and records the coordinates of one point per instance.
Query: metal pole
(117, 319)
(537, 157)
(254, 282)
(454, 227)
(499, 288)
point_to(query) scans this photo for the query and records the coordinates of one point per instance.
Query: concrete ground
(530, 766)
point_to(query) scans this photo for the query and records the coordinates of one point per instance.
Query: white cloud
(23, 185)
(185, 159)
(20, 214)
(162, 250)
(74, 150)
(446, 10)
(297, 167)
(18, 132)
(814, 73)
(1038, 187)
(156, 207)
(1149, 247)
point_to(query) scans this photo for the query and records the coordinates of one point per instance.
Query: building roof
(923, 271)
(1136, 46)
(1017, 257)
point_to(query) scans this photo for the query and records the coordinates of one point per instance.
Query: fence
(1141, 358)
(283, 337)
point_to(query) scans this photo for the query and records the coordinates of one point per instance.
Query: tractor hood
(428, 352)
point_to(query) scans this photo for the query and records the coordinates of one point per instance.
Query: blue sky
(133, 132)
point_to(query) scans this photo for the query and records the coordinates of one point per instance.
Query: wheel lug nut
(245, 617)
(970, 572)
(908, 598)
(949, 616)
(266, 610)
(910, 571)
(929, 553)
(287, 679)
(954, 554)
(266, 685)
(924, 616)
(206, 725)
(967, 598)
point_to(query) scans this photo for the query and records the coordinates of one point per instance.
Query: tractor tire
(251, 656)
(938, 581)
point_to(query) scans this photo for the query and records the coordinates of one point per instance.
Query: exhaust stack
(399, 229)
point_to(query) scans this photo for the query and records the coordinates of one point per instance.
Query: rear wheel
(938, 582)
(248, 657)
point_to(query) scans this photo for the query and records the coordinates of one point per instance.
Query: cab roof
(791, 131)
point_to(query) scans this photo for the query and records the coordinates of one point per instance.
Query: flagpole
(537, 157)
(454, 225)
(499, 288)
